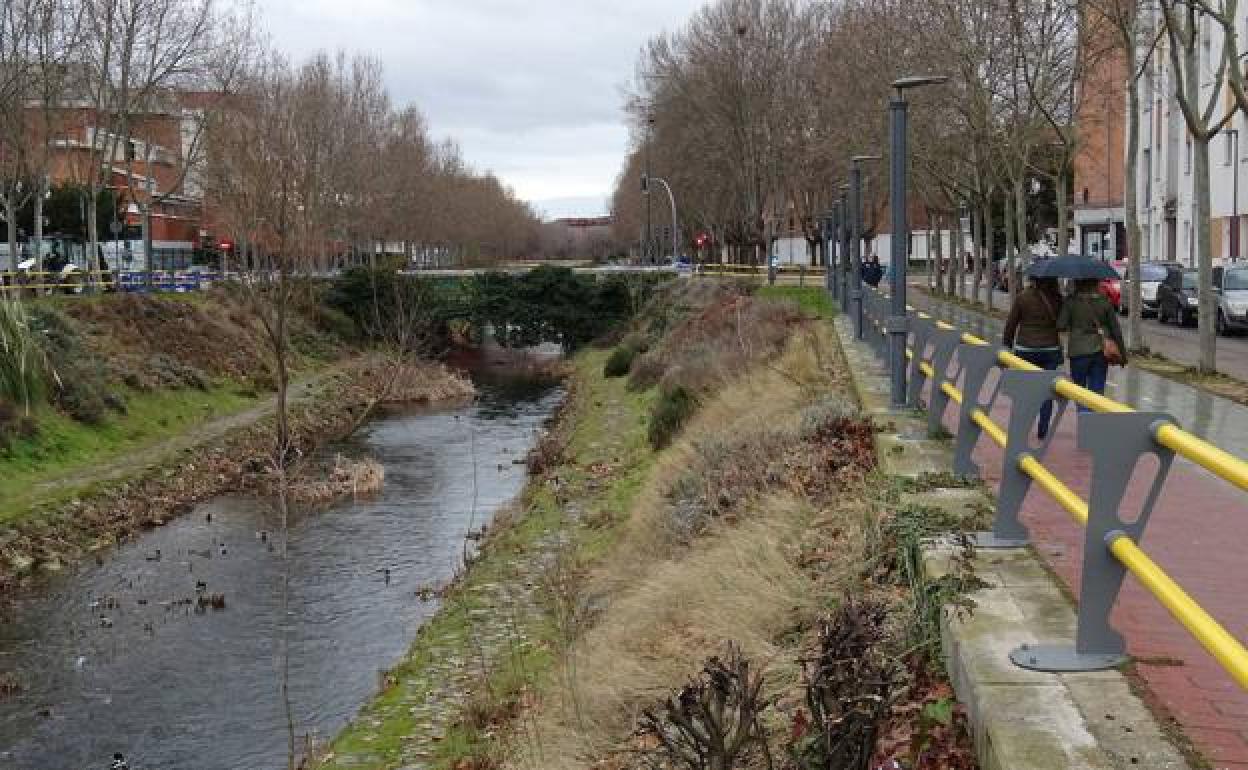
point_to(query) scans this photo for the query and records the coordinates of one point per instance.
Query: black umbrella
(1073, 266)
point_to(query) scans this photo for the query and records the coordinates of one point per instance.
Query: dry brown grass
(412, 382)
(674, 595)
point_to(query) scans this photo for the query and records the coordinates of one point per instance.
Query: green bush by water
(620, 362)
(675, 405)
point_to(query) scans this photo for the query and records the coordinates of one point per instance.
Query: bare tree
(1198, 88)
(1136, 44)
(134, 56)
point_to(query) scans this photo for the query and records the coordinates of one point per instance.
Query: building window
(1085, 195)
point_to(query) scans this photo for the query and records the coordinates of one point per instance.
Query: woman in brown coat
(1031, 332)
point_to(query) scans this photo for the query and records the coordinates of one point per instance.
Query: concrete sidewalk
(1198, 533)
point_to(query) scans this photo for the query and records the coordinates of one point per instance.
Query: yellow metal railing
(1211, 635)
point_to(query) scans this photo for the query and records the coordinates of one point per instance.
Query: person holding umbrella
(1031, 332)
(1095, 339)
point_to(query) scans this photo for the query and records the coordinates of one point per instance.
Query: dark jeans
(1089, 372)
(1045, 359)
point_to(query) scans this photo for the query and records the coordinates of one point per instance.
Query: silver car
(1230, 284)
(1152, 274)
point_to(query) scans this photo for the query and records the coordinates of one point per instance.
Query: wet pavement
(121, 656)
(1197, 534)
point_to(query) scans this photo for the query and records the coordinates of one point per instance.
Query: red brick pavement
(1199, 534)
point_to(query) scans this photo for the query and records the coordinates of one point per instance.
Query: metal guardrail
(958, 367)
(35, 283)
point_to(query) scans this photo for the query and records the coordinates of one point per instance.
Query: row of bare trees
(309, 159)
(85, 84)
(755, 107)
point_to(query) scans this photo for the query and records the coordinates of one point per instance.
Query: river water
(112, 658)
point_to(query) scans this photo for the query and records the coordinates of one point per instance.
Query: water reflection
(119, 656)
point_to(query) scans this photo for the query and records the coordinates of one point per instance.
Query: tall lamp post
(1235, 234)
(855, 237)
(898, 321)
(842, 243)
(672, 200)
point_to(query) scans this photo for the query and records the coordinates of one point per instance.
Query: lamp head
(916, 81)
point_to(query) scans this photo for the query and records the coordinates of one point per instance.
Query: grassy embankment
(52, 466)
(760, 534)
(122, 374)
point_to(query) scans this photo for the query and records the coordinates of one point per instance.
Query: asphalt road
(1179, 344)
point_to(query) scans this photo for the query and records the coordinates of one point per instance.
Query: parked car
(1231, 286)
(1177, 296)
(1151, 276)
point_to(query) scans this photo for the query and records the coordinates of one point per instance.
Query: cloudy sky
(531, 89)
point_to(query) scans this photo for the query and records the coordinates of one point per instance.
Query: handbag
(1109, 348)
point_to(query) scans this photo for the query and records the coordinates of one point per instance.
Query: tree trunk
(956, 262)
(1063, 213)
(1204, 257)
(10, 216)
(979, 226)
(93, 243)
(936, 253)
(38, 235)
(1135, 318)
(1020, 219)
(1007, 220)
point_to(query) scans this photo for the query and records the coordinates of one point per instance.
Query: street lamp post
(1235, 235)
(898, 322)
(855, 237)
(645, 189)
(672, 200)
(842, 241)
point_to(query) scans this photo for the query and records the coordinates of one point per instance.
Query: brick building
(1099, 216)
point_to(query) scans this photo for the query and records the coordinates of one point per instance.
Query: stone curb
(1020, 720)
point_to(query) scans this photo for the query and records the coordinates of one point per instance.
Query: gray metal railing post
(1028, 391)
(977, 362)
(922, 330)
(1117, 442)
(944, 344)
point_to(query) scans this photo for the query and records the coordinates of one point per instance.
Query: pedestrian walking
(1031, 332)
(1095, 339)
(872, 272)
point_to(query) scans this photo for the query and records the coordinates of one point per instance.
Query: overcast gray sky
(531, 89)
